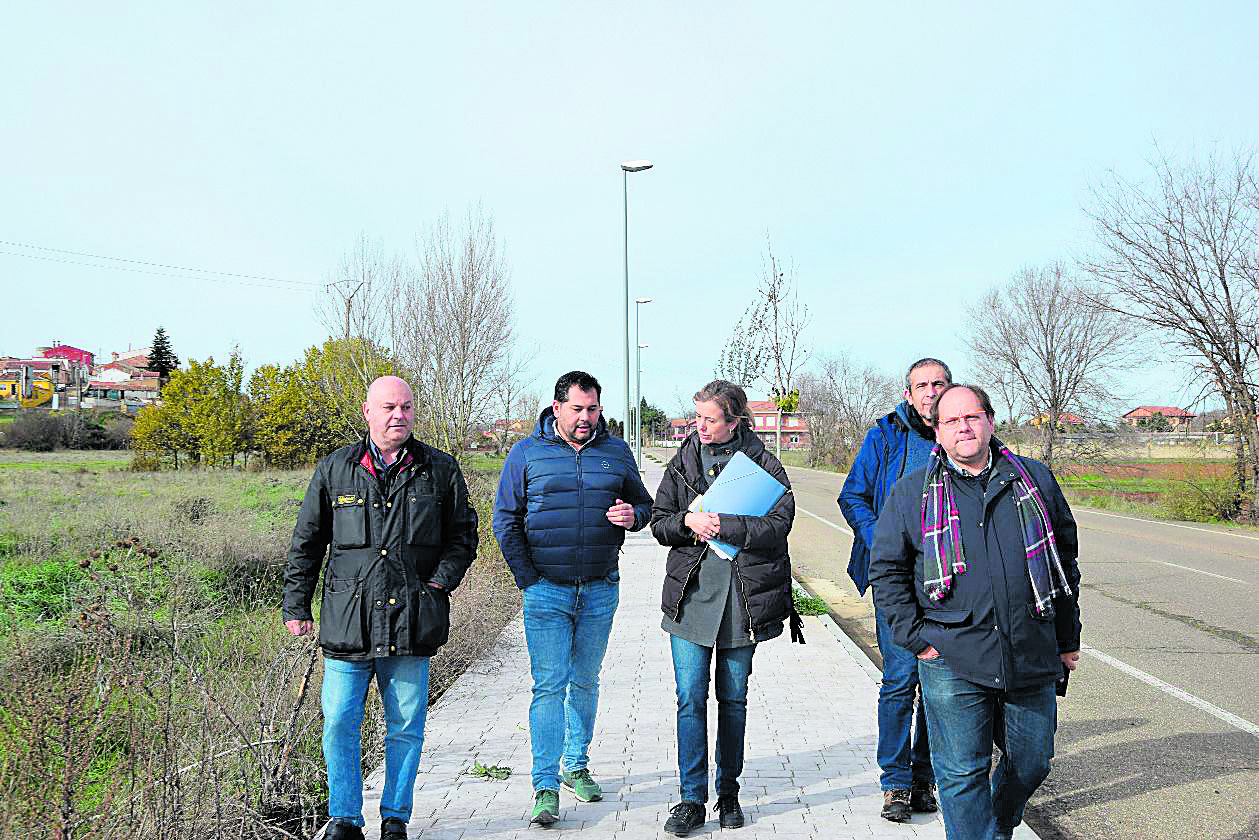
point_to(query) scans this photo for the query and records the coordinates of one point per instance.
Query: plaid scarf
(942, 534)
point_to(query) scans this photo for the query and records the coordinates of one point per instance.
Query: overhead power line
(256, 280)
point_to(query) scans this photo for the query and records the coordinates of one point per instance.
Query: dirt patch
(1153, 469)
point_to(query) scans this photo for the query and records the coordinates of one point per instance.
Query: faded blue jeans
(566, 627)
(965, 720)
(905, 760)
(692, 665)
(403, 685)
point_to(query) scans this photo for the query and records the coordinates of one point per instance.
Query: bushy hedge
(43, 431)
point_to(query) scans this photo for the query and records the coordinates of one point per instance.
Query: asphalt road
(1158, 736)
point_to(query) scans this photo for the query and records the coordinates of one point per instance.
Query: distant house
(1178, 418)
(1064, 419)
(681, 428)
(81, 357)
(795, 428)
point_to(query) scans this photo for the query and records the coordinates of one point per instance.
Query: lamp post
(638, 417)
(626, 168)
(638, 386)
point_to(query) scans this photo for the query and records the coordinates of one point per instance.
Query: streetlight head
(643, 346)
(642, 300)
(636, 165)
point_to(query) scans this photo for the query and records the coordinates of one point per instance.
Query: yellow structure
(41, 393)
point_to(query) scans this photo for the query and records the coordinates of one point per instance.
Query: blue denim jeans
(691, 666)
(965, 720)
(566, 627)
(904, 752)
(403, 685)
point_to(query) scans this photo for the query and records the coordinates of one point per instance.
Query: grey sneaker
(582, 785)
(546, 807)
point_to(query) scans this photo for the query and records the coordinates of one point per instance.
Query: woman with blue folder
(727, 588)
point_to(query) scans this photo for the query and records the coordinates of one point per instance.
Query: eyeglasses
(952, 423)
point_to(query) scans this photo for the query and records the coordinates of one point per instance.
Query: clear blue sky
(904, 158)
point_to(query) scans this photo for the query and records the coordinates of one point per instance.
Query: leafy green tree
(162, 358)
(655, 421)
(1155, 423)
(290, 426)
(336, 375)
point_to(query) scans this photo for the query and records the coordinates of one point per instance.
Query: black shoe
(896, 805)
(731, 813)
(684, 818)
(922, 798)
(339, 830)
(393, 828)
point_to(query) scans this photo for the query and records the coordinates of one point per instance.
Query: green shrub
(38, 591)
(1196, 496)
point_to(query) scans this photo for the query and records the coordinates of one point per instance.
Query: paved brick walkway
(809, 764)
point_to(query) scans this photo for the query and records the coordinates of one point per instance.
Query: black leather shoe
(731, 813)
(343, 831)
(393, 828)
(922, 798)
(684, 818)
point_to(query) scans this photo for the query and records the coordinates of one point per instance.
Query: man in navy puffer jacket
(897, 445)
(566, 497)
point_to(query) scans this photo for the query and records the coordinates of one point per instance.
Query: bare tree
(743, 356)
(512, 400)
(1182, 256)
(1060, 354)
(767, 342)
(355, 310)
(841, 400)
(455, 330)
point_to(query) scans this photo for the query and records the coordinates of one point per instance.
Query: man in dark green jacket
(402, 532)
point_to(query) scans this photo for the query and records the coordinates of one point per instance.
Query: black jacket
(985, 628)
(762, 566)
(386, 548)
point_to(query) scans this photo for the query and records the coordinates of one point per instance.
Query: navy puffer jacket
(550, 512)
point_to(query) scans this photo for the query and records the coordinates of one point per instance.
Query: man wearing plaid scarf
(974, 565)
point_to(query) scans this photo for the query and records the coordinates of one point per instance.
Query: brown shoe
(896, 805)
(922, 798)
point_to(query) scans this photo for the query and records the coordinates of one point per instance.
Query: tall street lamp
(626, 168)
(638, 387)
(638, 418)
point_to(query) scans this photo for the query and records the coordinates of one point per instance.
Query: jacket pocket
(343, 617)
(430, 620)
(349, 520)
(949, 618)
(423, 518)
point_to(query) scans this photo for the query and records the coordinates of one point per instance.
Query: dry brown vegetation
(147, 688)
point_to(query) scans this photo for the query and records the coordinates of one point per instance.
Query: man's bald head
(389, 412)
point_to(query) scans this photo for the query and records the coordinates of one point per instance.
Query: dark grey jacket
(986, 628)
(386, 548)
(762, 566)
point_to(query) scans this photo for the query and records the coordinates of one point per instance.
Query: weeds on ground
(806, 604)
(147, 687)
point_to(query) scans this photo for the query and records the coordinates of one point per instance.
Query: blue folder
(742, 488)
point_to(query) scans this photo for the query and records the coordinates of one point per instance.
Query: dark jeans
(904, 753)
(965, 719)
(691, 666)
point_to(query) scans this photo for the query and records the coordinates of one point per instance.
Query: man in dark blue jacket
(566, 497)
(974, 564)
(898, 444)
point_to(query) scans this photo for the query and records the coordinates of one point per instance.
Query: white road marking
(825, 521)
(1199, 571)
(1180, 694)
(1170, 524)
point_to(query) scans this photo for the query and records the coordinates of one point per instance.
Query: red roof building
(1177, 417)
